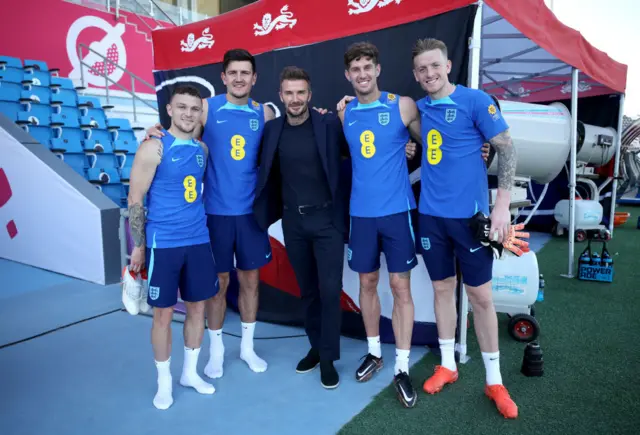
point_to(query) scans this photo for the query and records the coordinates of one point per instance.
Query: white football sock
(492, 367)
(247, 354)
(164, 396)
(402, 361)
(374, 346)
(216, 354)
(190, 377)
(447, 349)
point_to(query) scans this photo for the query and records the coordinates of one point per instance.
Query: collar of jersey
(231, 106)
(183, 142)
(373, 104)
(445, 100)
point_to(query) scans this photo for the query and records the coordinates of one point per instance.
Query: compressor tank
(542, 137)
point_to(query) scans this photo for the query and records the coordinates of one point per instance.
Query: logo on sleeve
(495, 115)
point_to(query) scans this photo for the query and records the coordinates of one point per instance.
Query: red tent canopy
(523, 33)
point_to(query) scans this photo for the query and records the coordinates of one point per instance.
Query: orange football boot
(441, 377)
(500, 395)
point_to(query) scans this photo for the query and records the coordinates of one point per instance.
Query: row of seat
(74, 127)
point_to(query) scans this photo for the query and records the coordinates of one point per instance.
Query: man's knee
(444, 288)
(249, 280)
(369, 282)
(480, 297)
(400, 284)
(195, 309)
(162, 317)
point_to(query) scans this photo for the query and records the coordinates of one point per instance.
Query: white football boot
(131, 291)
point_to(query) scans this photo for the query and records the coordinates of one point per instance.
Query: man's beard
(293, 115)
(183, 130)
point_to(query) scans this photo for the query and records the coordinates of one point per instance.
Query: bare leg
(370, 307)
(402, 318)
(248, 304)
(161, 343)
(215, 309)
(486, 324)
(193, 332)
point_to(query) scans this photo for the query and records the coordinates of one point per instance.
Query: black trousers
(316, 251)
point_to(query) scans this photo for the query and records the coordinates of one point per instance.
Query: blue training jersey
(175, 214)
(233, 135)
(377, 139)
(453, 175)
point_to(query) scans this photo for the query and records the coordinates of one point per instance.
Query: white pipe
(572, 169)
(535, 207)
(616, 166)
(474, 83)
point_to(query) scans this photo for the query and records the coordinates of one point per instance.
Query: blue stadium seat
(67, 117)
(10, 109)
(10, 91)
(72, 154)
(91, 112)
(10, 62)
(40, 133)
(36, 94)
(12, 75)
(36, 78)
(61, 83)
(30, 64)
(37, 114)
(108, 181)
(64, 97)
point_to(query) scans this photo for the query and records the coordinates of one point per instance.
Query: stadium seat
(10, 62)
(74, 127)
(108, 181)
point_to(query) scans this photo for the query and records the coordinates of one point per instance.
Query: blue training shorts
(391, 234)
(192, 269)
(240, 236)
(444, 239)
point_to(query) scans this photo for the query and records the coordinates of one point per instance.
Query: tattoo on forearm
(137, 224)
(507, 160)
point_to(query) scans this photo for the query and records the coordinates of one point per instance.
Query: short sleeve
(487, 116)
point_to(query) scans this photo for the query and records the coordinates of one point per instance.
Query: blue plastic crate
(588, 272)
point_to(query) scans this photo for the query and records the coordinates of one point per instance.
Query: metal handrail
(107, 79)
(163, 12)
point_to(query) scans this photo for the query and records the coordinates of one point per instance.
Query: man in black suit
(300, 183)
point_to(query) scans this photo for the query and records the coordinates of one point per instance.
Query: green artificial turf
(589, 337)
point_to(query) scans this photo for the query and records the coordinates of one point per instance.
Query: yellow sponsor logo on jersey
(368, 148)
(492, 109)
(237, 147)
(391, 97)
(190, 192)
(434, 142)
(255, 104)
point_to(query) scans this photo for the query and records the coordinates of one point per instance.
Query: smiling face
(363, 74)
(185, 111)
(431, 70)
(295, 95)
(239, 78)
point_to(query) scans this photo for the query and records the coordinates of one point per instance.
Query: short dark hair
(294, 73)
(185, 90)
(428, 44)
(238, 55)
(359, 50)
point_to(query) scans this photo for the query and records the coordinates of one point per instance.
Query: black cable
(59, 328)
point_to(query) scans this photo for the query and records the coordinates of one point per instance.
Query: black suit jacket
(332, 147)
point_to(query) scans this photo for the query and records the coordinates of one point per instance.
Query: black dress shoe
(328, 375)
(309, 362)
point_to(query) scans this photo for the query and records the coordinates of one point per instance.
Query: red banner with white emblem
(51, 31)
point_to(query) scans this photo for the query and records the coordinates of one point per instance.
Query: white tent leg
(572, 170)
(474, 83)
(616, 165)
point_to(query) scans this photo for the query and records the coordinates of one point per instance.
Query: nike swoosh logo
(410, 261)
(474, 250)
(220, 122)
(404, 393)
(351, 123)
(175, 160)
(268, 255)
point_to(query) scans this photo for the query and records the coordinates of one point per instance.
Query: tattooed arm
(507, 160)
(144, 167)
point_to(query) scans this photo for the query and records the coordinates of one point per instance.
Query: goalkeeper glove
(481, 227)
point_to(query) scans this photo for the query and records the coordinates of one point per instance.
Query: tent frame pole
(473, 82)
(572, 172)
(616, 165)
